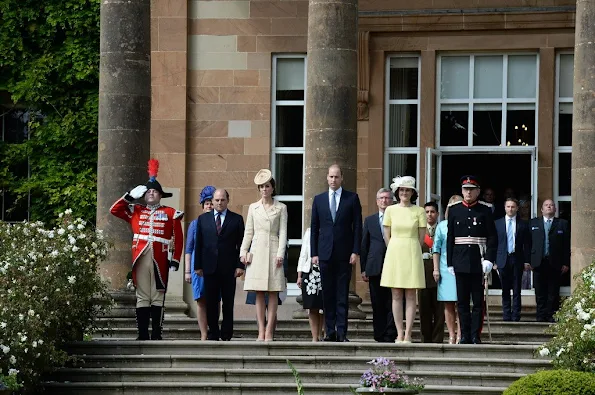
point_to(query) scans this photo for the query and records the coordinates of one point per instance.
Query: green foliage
(49, 64)
(554, 382)
(573, 346)
(51, 293)
(296, 375)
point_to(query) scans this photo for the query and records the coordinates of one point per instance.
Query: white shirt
(222, 215)
(337, 196)
(545, 221)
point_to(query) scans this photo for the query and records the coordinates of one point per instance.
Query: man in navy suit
(372, 260)
(219, 236)
(512, 257)
(335, 242)
(550, 259)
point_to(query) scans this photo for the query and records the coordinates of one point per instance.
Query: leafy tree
(49, 65)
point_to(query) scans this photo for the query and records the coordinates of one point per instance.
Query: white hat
(403, 182)
(263, 176)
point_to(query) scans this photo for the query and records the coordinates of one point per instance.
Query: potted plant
(384, 376)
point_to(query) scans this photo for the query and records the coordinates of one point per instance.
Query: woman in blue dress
(447, 284)
(206, 201)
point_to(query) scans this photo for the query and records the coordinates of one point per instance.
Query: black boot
(143, 315)
(157, 320)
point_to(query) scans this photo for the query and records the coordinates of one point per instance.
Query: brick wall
(229, 99)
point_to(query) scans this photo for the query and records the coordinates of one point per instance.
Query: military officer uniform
(156, 250)
(470, 250)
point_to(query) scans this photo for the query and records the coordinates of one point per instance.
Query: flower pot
(367, 390)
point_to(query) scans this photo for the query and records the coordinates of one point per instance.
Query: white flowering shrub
(49, 292)
(573, 346)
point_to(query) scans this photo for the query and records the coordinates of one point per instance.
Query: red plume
(153, 169)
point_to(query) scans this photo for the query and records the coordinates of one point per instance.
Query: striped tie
(218, 222)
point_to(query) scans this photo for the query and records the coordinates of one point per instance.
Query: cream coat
(265, 236)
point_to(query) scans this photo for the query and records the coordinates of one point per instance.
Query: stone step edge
(354, 339)
(293, 344)
(292, 386)
(278, 371)
(306, 331)
(314, 358)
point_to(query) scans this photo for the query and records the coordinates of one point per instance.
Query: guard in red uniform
(156, 249)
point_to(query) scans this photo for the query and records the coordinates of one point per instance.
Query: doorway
(498, 172)
(505, 172)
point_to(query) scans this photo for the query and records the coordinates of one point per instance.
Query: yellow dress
(403, 264)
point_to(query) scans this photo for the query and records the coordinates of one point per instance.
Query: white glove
(487, 266)
(451, 270)
(138, 192)
(173, 269)
(426, 255)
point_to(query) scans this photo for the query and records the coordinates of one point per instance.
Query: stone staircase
(114, 363)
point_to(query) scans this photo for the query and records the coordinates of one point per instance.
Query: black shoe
(143, 316)
(342, 339)
(476, 340)
(156, 322)
(464, 340)
(331, 338)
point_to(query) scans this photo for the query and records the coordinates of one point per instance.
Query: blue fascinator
(207, 193)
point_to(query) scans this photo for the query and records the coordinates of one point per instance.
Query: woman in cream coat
(263, 250)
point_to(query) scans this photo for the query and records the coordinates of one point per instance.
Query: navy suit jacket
(373, 247)
(522, 242)
(218, 253)
(559, 237)
(337, 239)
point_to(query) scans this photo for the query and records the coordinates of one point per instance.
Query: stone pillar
(124, 120)
(583, 140)
(331, 100)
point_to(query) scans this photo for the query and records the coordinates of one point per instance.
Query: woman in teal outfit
(447, 284)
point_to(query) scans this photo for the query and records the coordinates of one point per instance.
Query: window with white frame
(288, 131)
(563, 132)
(14, 129)
(487, 100)
(401, 142)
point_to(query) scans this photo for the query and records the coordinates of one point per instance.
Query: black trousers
(431, 316)
(335, 277)
(470, 287)
(220, 284)
(382, 312)
(511, 278)
(546, 280)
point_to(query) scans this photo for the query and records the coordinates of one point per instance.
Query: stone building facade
(445, 88)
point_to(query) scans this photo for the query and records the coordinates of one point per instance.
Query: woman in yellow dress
(403, 270)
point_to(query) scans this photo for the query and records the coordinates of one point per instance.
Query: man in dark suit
(335, 242)
(512, 256)
(431, 311)
(372, 260)
(219, 236)
(550, 259)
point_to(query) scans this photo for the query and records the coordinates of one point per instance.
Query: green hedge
(554, 382)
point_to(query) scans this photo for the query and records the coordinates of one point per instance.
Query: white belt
(151, 238)
(471, 240)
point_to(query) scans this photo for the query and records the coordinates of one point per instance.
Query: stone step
(295, 348)
(186, 322)
(248, 332)
(237, 388)
(450, 364)
(274, 375)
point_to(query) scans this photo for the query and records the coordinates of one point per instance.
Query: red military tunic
(159, 228)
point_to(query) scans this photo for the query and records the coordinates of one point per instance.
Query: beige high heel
(452, 340)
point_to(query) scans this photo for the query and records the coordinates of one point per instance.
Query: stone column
(124, 120)
(331, 100)
(583, 140)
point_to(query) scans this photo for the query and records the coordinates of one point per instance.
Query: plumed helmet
(153, 169)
